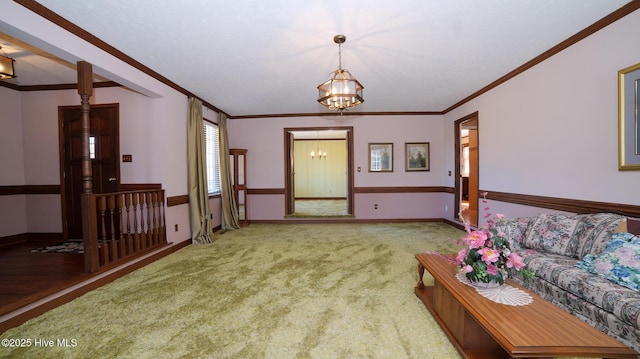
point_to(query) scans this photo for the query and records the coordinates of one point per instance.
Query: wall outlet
(176, 227)
(375, 206)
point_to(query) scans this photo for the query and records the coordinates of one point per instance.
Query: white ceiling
(256, 57)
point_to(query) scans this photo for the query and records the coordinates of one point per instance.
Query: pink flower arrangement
(487, 254)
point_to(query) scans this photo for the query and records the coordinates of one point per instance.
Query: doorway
(103, 151)
(467, 169)
(319, 175)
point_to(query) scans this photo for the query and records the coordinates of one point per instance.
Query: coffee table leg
(420, 275)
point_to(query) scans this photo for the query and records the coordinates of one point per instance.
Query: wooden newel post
(85, 88)
(89, 230)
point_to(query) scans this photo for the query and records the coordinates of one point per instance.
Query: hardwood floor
(33, 283)
(26, 277)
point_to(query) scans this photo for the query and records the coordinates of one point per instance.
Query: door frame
(62, 158)
(457, 155)
(289, 170)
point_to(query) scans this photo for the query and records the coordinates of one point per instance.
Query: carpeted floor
(265, 291)
(320, 208)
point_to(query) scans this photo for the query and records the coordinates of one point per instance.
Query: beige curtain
(199, 210)
(230, 217)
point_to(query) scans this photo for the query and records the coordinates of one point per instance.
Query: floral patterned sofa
(586, 264)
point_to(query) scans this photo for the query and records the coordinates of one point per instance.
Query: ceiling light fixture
(7, 71)
(342, 91)
(317, 152)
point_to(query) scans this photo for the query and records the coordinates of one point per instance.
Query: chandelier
(7, 70)
(342, 91)
(317, 152)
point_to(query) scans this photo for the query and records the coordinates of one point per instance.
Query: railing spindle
(113, 244)
(127, 204)
(102, 235)
(136, 236)
(120, 234)
(127, 223)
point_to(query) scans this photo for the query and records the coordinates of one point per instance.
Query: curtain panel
(230, 217)
(199, 210)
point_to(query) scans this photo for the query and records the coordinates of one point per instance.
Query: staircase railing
(120, 225)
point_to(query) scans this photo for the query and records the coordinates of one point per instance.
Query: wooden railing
(119, 225)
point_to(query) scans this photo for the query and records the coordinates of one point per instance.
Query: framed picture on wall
(381, 157)
(416, 156)
(629, 118)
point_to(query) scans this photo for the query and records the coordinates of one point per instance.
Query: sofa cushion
(562, 272)
(594, 231)
(619, 262)
(553, 234)
(515, 230)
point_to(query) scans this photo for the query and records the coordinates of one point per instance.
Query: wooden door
(291, 174)
(349, 183)
(474, 179)
(468, 123)
(104, 149)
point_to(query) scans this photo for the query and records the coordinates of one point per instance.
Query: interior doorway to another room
(319, 177)
(467, 169)
(103, 152)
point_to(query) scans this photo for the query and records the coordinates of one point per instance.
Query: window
(211, 136)
(92, 147)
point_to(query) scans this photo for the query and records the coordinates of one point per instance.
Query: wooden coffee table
(481, 328)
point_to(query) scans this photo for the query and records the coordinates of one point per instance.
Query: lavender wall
(13, 209)
(553, 130)
(264, 140)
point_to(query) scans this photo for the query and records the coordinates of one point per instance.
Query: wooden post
(85, 89)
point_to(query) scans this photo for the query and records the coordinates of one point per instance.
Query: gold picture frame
(416, 156)
(628, 121)
(381, 157)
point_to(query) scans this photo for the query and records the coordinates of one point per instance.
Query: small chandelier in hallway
(342, 91)
(317, 153)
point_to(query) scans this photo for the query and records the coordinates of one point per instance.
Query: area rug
(64, 247)
(264, 291)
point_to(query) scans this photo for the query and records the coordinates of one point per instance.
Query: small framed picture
(381, 157)
(416, 156)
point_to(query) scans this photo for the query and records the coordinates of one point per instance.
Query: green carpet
(320, 208)
(265, 291)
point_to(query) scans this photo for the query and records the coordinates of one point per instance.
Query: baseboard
(29, 237)
(13, 239)
(458, 225)
(345, 220)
